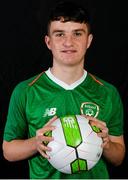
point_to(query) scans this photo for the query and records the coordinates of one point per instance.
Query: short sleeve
(116, 121)
(16, 124)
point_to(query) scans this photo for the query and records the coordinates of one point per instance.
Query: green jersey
(35, 101)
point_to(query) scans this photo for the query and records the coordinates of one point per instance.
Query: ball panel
(91, 164)
(78, 165)
(71, 130)
(57, 123)
(59, 140)
(93, 138)
(63, 157)
(89, 151)
(66, 169)
(56, 147)
(85, 128)
(58, 136)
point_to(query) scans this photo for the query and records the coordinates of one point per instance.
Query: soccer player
(65, 88)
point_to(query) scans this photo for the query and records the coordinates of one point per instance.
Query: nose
(68, 41)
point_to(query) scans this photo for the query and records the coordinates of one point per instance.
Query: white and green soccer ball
(76, 146)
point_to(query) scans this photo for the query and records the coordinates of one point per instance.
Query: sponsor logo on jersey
(89, 109)
(50, 112)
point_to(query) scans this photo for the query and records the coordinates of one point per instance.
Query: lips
(69, 51)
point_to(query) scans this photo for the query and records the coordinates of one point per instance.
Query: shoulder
(101, 82)
(25, 85)
(103, 85)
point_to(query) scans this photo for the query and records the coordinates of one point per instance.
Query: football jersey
(38, 99)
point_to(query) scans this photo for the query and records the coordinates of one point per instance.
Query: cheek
(56, 46)
(83, 47)
(55, 49)
(54, 42)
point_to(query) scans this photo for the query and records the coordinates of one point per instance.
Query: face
(68, 42)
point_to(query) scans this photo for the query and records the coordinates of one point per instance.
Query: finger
(98, 124)
(45, 139)
(44, 154)
(105, 142)
(93, 119)
(45, 129)
(42, 149)
(51, 121)
(102, 135)
(106, 139)
(90, 118)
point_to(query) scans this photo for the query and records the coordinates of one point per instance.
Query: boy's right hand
(41, 138)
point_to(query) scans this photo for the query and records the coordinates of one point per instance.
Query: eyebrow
(61, 31)
(57, 31)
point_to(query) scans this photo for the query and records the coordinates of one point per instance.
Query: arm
(19, 149)
(114, 149)
(16, 150)
(113, 146)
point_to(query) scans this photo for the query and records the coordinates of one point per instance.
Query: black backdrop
(24, 54)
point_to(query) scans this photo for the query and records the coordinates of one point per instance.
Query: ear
(47, 41)
(90, 37)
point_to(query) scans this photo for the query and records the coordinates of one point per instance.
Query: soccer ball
(76, 146)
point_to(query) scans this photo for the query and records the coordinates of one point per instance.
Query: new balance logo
(50, 112)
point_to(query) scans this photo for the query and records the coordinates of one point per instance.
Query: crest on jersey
(89, 109)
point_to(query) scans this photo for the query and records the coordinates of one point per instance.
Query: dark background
(24, 54)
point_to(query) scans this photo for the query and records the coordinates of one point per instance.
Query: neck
(68, 75)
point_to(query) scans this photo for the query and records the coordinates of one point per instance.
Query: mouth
(70, 51)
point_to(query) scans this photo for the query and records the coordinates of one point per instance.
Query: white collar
(63, 84)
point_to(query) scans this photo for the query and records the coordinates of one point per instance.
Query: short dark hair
(66, 11)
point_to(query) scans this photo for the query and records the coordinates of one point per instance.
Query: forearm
(114, 153)
(19, 149)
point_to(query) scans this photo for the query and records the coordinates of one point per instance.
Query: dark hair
(66, 11)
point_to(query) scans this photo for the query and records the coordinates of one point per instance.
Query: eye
(59, 34)
(78, 33)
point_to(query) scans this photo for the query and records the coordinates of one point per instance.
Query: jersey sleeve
(117, 120)
(16, 124)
